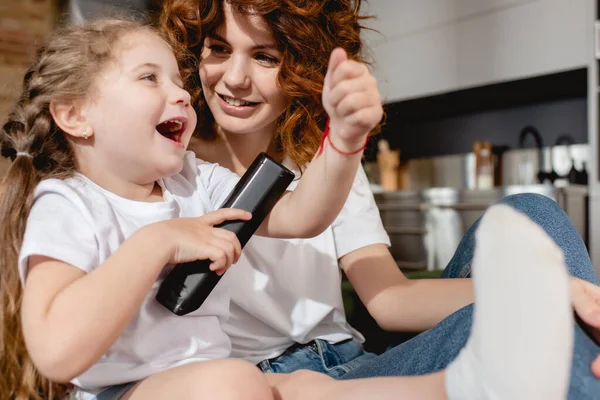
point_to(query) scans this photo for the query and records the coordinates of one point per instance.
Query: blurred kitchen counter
(406, 215)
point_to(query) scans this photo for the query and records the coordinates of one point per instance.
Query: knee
(533, 205)
(236, 379)
(250, 384)
(310, 377)
(304, 384)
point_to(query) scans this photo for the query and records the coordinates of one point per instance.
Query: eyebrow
(269, 46)
(148, 64)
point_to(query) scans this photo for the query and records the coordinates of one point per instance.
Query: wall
(433, 46)
(23, 24)
(449, 123)
(456, 134)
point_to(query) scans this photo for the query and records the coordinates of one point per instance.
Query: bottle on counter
(388, 162)
(484, 165)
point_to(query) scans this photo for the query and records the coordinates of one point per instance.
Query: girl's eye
(149, 77)
(266, 59)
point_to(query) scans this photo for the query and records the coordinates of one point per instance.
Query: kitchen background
(484, 98)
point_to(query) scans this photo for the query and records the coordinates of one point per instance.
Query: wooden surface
(23, 26)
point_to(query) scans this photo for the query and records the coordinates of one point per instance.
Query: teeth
(235, 102)
(171, 126)
(176, 126)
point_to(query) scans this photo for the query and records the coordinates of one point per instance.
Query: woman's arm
(396, 302)
(352, 101)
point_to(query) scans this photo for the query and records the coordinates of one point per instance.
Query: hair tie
(24, 154)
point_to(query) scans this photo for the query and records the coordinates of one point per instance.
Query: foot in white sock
(522, 336)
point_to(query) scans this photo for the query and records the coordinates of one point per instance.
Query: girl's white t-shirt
(78, 222)
(288, 291)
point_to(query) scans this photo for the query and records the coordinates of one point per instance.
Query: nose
(236, 73)
(180, 96)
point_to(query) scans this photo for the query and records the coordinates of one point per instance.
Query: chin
(171, 167)
(236, 126)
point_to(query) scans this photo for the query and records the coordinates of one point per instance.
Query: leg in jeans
(521, 342)
(547, 214)
(434, 349)
(333, 359)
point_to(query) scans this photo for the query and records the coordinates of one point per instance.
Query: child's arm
(71, 318)
(352, 101)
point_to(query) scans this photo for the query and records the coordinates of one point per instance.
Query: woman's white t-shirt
(82, 224)
(288, 291)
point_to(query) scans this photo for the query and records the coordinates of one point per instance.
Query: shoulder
(73, 191)
(58, 202)
(62, 225)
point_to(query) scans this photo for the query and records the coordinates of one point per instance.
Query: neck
(237, 151)
(119, 185)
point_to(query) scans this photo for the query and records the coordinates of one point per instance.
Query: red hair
(306, 32)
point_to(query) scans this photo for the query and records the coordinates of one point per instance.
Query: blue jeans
(114, 392)
(333, 359)
(434, 349)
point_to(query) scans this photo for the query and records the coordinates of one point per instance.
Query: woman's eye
(266, 59)
(149, 77)
(218, 49)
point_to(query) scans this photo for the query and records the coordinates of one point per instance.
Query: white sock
(522, 336)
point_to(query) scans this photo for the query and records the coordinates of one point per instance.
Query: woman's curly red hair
(306, 32)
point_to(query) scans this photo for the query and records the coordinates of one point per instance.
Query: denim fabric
(319, 355)
(114, 392)
(547, 214)
(434, 349)
(335, 359)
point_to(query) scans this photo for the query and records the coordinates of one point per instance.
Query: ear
(69, 117)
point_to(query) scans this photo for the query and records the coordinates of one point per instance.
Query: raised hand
(351, 99)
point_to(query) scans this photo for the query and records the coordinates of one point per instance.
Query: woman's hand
(197, 239)
(352, 101)
(586, 302)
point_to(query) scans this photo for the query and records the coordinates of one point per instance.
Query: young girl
(101, 196)
(287, 311)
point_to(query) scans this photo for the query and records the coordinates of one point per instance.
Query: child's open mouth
(172, 129)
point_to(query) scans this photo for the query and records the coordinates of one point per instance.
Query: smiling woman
(285, 71)
(239, 75)
(287, 312)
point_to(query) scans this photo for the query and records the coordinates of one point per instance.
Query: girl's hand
(352, 101)
(197, 239)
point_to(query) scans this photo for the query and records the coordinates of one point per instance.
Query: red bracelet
(327, 137)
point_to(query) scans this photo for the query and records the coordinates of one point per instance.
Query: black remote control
(187, 285)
